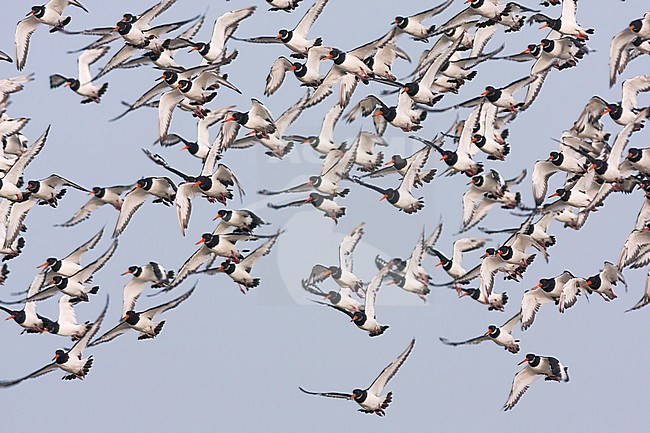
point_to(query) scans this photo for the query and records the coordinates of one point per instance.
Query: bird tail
(102, 90)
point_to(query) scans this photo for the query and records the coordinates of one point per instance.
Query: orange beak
(230, 119)
(588, 283)
(279, 36)
(543, 26)
(487, 332)
(216, 218)
(197, 183)
(116, 28)
(554, 195)
(391, 162)
(125, 273)
(377, 113)
(537, 286)
(327, 57)
(485, 92)
(309, 200)
(42, 265)
(202, 241)
(443, 157)
(10, 317)
(56, 356)
(394, 22)
(592, 166)
(185, 147)
(439, 264)
(605, 111)
(522, 361)
(383, 197)
(471, 182)
(526, 51)
(67, 84)
(292, 68)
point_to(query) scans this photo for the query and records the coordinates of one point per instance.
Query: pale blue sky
(233, 363)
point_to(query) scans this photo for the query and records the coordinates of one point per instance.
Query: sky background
(228, 362)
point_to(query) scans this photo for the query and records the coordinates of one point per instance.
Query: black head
(169, 76)
(444, 261)
(129, 18)
(472, 293)
(18, 316)
(547, 284)
(493, 331)
(635, 25)
(505, 252)
(479, 140)
(412, 89)
(123, 27)
(634, 154)
(228, 267)
(204, 183)
(60, 281)
(99, 192)
(399, 162)
(209, 240)
(563, 194)
(299, 69)
(335, 271)
(184, 85)
(391, 195)
(73, 83)
(359, 395)
(359, 318)
(145, 183)
(531, 359)
(239, 117)
(401, 22)
(336, 55)
(477, 181)
(153, 55)
(191, 147)
(449, 156)
(315, 181)
(532, 49)
(285, 35)
(492, 94)
(225, 214)
(50, 326)
(547, 45)
(333, 297)
(556, 158)
(131, 317)
(315, 199)
(136, 271)
(201, 47)
(399, 264)
(33, 186)
(37, 11)
(615, 110)
(552, 24)
(61, 357)
(594, 282)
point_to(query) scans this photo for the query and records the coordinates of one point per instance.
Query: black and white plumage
(66, 324)
(162, 188)
(453, 266)
(412, 25)
(501, 335)
(75, 285)
(82, 85)
(402, 197)
(638, 31)
(536, 366)
(142, 321)
(370, 399)
(50, 14)
(343, 274)
(324, 141)
(28, 318)
(645, 299)
(212, 184)
(258, 119)
(8, 182)
(349, 67)
(307, 73)
(151, 273)
(400, 165)
(277, 146)
(110, 195)
(546, 291)
(240, 272)
(283, 5)
(242, 220)
(566, 24)
(323, 203)
(224, 27)
(297, 38)
(366, 320)
(70, 361)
